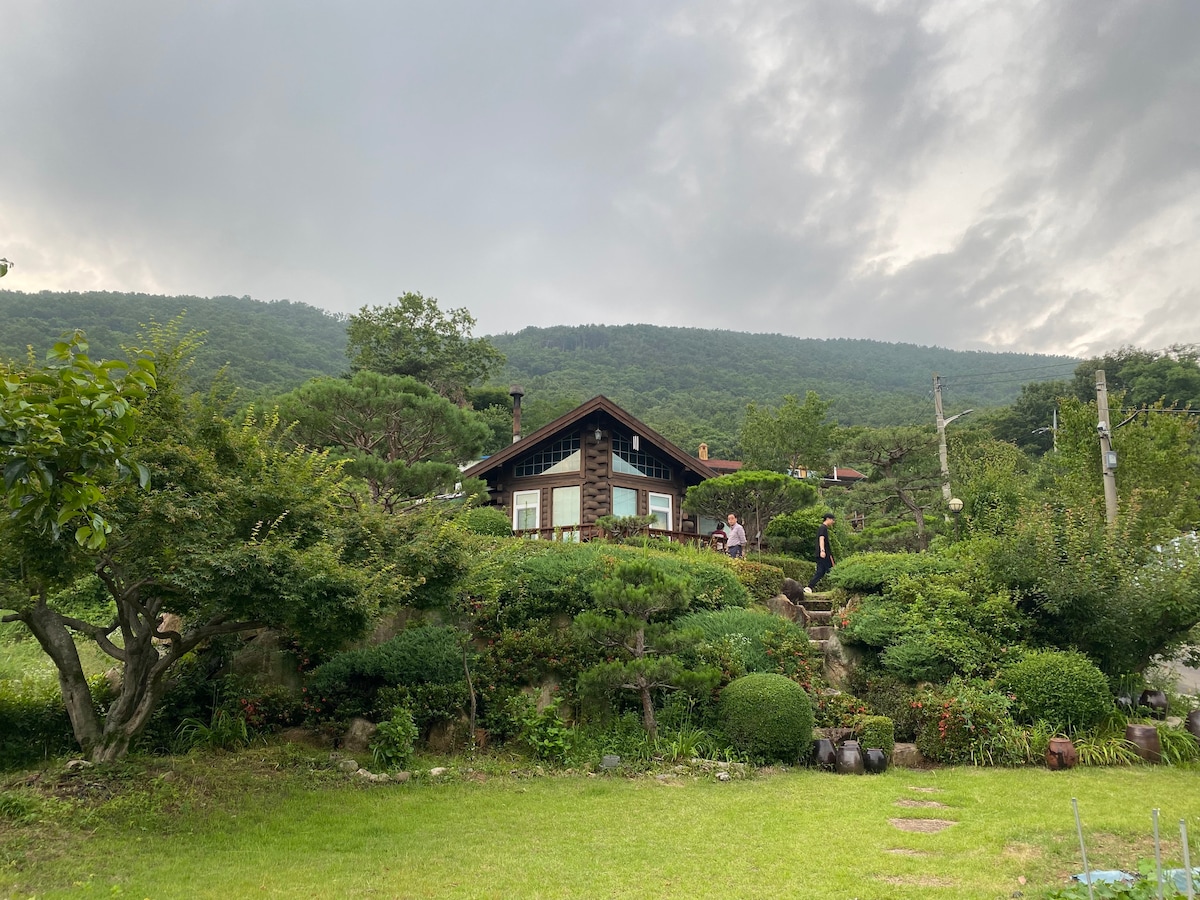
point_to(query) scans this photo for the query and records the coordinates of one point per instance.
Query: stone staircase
(813, 611)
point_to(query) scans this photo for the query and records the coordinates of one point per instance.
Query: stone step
(823, 646)
(818, 616)
(820, 632)
(811, 603)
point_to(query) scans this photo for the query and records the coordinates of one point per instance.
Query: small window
(526, 515)
(660, 508)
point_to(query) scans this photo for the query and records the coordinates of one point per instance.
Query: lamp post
(956, 507)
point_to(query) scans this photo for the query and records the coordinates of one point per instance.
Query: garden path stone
(922, 826)
(924, 804)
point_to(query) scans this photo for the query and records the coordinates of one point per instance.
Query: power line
(977, 375)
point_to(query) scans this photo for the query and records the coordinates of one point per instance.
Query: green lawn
(258, 825)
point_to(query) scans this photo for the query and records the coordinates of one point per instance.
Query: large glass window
(565, 511)
(624, 502)
(526, 514)
(660, 508)
(561, 456)
(628, 461)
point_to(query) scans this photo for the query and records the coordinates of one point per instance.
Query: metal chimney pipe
(516, 392)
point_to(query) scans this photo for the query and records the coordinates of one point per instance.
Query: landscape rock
(75, 764)
(907, 756)
(402, 777)
(357, 738)
(723, 776)
(785, 608)
(793, 590)
(347, 765)
(438, 771)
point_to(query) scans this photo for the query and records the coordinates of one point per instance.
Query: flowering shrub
(966, 722)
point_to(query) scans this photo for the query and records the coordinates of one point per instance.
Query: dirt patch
(918, 880)
(924, 804)
(922, 826)
(905, 851)
(925, 790)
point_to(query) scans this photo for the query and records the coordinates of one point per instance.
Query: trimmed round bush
(877, 732)
(1065, 689)
(768, 717)
(486, 520)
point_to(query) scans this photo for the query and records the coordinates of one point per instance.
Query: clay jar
(1155, 701)
(875, 761)
(1061, 754)
(824, 754)
(1145, 741)
(1192, 723)
(850, 759)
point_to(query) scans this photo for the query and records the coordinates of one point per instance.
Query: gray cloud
(994, 175)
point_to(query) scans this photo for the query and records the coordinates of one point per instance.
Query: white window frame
(670, 510)
(518, 506)
(570, 530)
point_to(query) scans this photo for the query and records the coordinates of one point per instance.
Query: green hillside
(694, 384)
(691, 384)
(266, 346)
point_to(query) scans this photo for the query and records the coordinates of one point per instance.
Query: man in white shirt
(735, 537)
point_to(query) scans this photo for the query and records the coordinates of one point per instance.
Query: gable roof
(598, 404)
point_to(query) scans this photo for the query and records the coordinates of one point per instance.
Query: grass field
(274, 822)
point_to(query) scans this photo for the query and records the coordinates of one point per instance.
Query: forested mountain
(694, 384)
(267, 346)
(691, 384)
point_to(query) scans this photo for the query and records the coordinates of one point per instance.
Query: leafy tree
(65, 429)
(5, 265)
(1028, 423)
(414, 337)
(757, 496)
(1145, 376)
(393, 432)
(631, 620)
(234, 533)
(904, 471)
(795, 437)
(991, 477)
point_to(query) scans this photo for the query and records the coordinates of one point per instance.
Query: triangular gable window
(561, 456)
(627, 461)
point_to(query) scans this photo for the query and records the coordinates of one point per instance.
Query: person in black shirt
(824, 552)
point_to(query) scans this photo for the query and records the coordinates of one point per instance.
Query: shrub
(392, 746)
(837, 709)
(801, 570)
(797, 532)
(1065, 689)
(752, 624)
(887, 695)
(33, 722)
(870, 573)
(762, 581)
(350, 683)
(877, 732)
(768, 717)
(486, 520)
(966, 722)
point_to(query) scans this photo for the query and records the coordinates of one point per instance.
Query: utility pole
(1108, 457)
(942, 422)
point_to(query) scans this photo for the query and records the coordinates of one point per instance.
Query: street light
(956, 506)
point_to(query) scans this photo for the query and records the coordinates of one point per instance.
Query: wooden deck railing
(575, 533)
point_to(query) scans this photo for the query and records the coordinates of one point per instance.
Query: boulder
(782, 606)
(357, 738)
(793, 590)
(907, 756)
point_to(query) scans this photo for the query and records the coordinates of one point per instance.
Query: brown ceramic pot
(1061, 754)
(850, 759)
(1145, 741)
(1192, 723)
(824, 754)
(1155, 701)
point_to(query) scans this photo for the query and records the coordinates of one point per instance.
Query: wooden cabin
(596, 460)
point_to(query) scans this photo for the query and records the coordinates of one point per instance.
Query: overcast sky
(977, 175)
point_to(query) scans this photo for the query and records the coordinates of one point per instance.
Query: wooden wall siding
(596, 495)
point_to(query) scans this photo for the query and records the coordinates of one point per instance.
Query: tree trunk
(648, 720)
(51, 632)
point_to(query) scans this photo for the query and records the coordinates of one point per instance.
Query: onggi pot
(874, 760)
(1061, 754)
(1156, 701)
(850, 759)
(1192, 723)
(1145, 741)
(824, 754)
